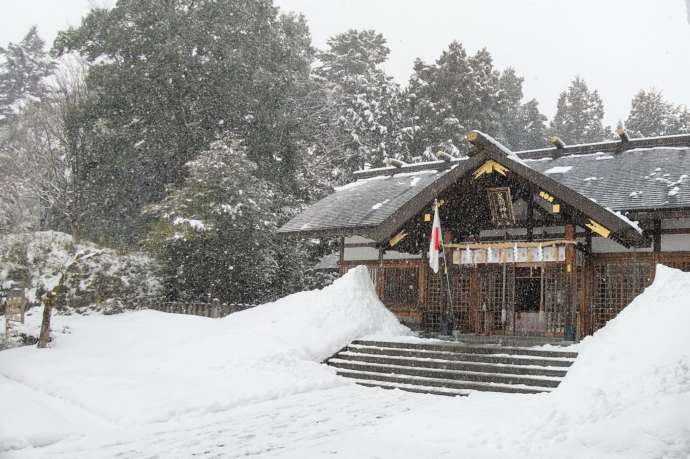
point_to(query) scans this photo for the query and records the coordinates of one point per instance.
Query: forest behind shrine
(193, 130)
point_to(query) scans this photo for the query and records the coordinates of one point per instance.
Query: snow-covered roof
(595, 180)
(649, 178)
(364, 204)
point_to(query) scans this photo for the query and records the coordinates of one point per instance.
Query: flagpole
(445, 265)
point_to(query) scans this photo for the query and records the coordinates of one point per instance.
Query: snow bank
(146, 366)
(631, 381)
(626, 396)
(318, 323)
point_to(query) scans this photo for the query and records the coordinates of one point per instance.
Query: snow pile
(143, 367)
(626, 396)
(316, 324)
(630, 386)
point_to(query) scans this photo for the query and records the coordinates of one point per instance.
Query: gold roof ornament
(489, 167)
(597, 228)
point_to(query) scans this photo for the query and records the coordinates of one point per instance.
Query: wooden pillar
(571, 276)
(530, 218)
(657, 236)
(475, 300)
(341, 257)
(584, 325)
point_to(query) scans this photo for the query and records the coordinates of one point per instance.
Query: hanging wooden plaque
(501, 205)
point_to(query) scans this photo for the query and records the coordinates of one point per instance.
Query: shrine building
(550, 242)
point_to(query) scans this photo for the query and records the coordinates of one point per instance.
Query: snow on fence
(214, 310)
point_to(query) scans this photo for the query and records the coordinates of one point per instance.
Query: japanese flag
(435, 242)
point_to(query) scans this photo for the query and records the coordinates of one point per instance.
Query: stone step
(457, 365)
(514, 341)
(483, 377)
(375, 377)
(420, 389)
(459, 356)
(469, 349)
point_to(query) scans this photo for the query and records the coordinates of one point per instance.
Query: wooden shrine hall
(548, 242)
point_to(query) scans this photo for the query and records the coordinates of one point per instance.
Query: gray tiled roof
(643, 178)
(364, 203)
(650, 178)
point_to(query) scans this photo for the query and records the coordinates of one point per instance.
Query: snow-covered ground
(149, 384)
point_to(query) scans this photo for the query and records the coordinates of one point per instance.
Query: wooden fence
(214, 310)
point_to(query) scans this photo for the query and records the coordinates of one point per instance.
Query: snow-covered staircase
(452, 369)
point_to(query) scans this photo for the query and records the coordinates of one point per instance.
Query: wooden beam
(681, 140)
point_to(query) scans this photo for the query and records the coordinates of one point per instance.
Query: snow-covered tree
(579, 115)
(652, 115)
(169, 77)
(520, 125)
(445, 100)
(214, 232)
(23, 69)
(41, 173)
(365, 100)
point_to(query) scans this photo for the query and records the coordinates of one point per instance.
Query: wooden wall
(603, 285)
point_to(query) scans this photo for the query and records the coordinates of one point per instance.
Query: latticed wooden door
(496, 298)
(555, 298)
(431, 308)
(460, 288)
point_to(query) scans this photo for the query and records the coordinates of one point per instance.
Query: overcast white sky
(618, 46)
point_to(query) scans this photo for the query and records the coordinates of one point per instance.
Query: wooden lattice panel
(431, 312)
(555, 300)
(496, 293)
(460, 287)
(614, 286)
(401, 285)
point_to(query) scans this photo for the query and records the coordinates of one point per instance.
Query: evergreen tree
(23, 69)
(167, 79)
(461, 92)
(651, 115)
(365, 100)
(579, 115)
(215, 230)
(521, 125)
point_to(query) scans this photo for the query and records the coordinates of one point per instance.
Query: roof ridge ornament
(557, 142)
(623, 135)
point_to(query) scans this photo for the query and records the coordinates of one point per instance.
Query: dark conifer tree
(579, 115)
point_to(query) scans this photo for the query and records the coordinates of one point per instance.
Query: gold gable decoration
(397, 238)
(489, 167)
(598, 229)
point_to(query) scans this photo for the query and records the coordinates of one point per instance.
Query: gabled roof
(630, 175)
(375, 207)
